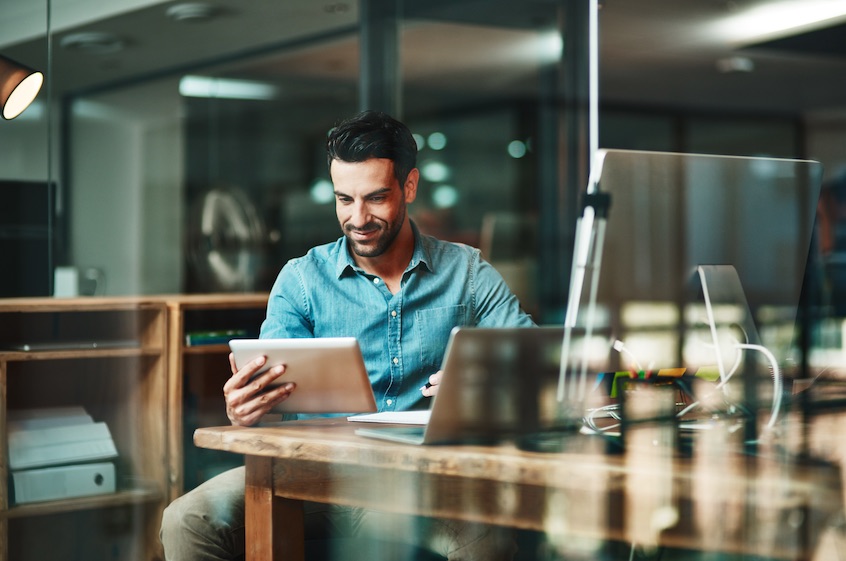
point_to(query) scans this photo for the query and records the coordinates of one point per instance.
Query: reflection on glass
(717, 239)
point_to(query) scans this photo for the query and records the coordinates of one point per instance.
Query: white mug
(66, 282)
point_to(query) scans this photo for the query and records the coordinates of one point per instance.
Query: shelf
(198, 373)
(94, 304)
(205, 349)
(124, 360)
(108, 356)
(119, 498)
(21, 356)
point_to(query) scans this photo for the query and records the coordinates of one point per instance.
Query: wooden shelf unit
(125, 359)
(197, 375)
(109, 356)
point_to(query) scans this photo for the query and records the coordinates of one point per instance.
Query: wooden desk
(729, 502)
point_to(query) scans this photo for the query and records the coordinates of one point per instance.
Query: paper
(398, 417)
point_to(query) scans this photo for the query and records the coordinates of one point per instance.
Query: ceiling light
(445, 196)
(204, 86)
(550, 46)
(19, 85)
(516, 148)
(93, 42)
(434, 171)
(419, 140)
(322, 191)
(190, 12)
(774, 19)
(437, 141)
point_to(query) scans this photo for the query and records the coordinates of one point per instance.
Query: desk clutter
(59, 453)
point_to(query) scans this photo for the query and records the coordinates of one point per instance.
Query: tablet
(329, 372)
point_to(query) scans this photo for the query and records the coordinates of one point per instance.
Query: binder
(63, 482)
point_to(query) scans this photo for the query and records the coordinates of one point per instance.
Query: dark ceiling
(652, 52)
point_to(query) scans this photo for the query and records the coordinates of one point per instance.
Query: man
(400, 293)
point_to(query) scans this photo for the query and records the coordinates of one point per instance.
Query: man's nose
(360, 215)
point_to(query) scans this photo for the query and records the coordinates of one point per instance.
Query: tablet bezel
(329, 372)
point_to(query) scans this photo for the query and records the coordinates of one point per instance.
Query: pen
(428, 385)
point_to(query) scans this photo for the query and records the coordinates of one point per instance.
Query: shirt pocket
(433, 328)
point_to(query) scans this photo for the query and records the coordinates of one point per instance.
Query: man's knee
(177, 519)
(207, 522)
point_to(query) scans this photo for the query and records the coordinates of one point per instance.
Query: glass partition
(693, 266)
(201, 169)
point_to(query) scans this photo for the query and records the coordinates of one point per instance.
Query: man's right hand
(248, 399)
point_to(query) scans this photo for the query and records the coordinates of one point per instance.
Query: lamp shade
(18, 87)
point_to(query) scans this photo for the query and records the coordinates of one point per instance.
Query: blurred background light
(445, 196)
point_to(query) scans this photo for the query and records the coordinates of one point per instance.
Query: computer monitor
(653, 218)
(25, 237)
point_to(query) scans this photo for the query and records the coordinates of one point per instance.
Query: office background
(177, 147)
(170, 179)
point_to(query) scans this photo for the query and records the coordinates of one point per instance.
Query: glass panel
(28, 206)
(232, 166)
(723, 241)
(492, 156)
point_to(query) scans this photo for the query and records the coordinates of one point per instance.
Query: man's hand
(248, 399)
(431, 387)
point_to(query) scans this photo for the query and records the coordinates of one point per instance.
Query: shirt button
(389, 401)
(375, 281)
(396, 360)
(393, 313)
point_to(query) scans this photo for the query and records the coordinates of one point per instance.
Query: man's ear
(410, 187)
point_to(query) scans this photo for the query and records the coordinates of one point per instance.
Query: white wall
(23, 145)
(126, 187)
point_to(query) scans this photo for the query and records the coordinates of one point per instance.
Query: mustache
(370, 227)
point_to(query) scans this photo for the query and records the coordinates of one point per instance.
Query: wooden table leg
(274, 525)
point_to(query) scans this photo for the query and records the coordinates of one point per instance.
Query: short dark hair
(373, 134)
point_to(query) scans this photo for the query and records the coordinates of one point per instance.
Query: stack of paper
(52, 454)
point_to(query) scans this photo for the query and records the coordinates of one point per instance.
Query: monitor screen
(25, 226)
(636, 278)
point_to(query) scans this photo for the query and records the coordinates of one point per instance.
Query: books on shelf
(194, 338)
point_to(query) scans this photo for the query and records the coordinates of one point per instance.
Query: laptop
(498, 384)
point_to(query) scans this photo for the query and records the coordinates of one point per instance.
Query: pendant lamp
(19, 85)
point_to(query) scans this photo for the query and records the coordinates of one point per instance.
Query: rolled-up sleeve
(287, 307)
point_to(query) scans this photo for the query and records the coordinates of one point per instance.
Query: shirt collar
(420, 256)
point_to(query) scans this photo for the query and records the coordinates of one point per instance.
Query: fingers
(249, 396)
(431, 387)
(248, 409)
(240, 377)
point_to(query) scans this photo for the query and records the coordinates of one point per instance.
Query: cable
(621, 348)
(777, 382)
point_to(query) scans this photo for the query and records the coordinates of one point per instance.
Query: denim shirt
(402, 336)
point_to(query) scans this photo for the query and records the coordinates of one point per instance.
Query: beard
(377, 246)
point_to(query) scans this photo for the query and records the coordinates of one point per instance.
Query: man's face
(370, 204)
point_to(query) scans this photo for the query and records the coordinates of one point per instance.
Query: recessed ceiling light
(190, 12)
(93, 42)
(336, 8)
(225, 88)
